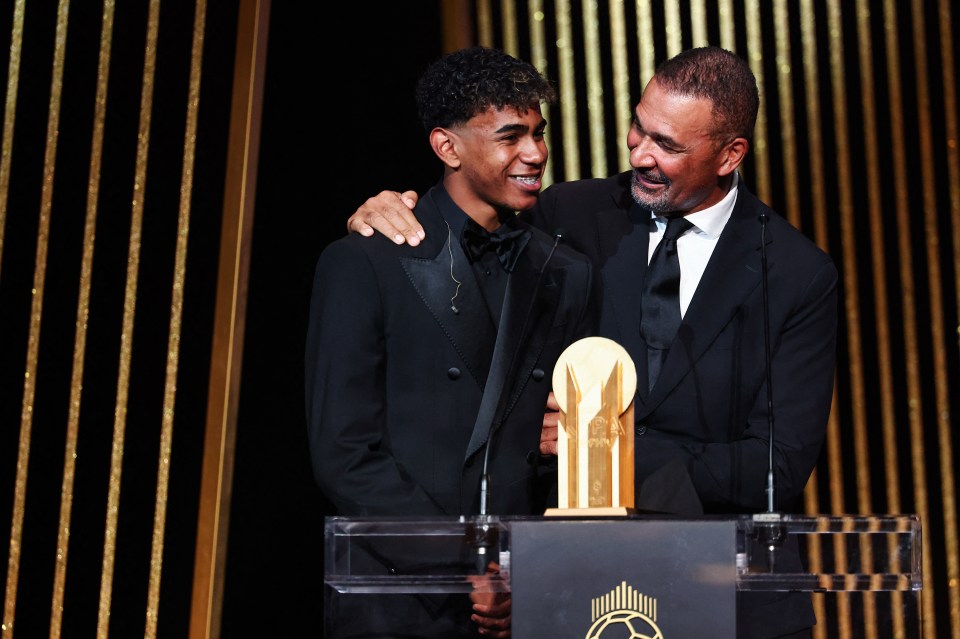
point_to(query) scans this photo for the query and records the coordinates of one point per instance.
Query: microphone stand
(769, 528)
(482, 539)
(484, 535)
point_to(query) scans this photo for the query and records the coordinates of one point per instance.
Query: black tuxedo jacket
(403, 393)
(708, 412)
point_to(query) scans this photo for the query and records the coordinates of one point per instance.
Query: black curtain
(339, 125)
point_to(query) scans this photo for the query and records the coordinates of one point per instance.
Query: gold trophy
(594, 382)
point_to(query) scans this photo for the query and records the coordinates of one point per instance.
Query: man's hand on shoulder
(390, 213)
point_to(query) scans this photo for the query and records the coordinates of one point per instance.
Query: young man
(702, 400)
(428, 367)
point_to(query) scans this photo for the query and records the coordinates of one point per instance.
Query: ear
(444, 144)
(731, 155)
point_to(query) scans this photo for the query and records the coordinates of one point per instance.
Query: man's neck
(475, 208)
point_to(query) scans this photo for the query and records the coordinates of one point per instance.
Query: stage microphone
(484, 534)
(483, 537)
(770, 531)
(485, 476)
(771, 496)
(557, 236)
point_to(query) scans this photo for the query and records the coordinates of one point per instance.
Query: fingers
(379, 213)
(390, 213)
(357, 222)
(490, 627)
(495, 631)
(496, 607)
(552, 403)
(401, 217)
(359, 226)
(548, 440)
(409, 198)
(551, 429)
(491, 609)
(493, 618)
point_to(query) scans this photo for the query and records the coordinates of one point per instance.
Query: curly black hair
(464, 83)
(720, 76)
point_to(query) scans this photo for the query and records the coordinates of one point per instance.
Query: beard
(657, 201)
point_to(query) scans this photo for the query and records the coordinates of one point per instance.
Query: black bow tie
(508, 245)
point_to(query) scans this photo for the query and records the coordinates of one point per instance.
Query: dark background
(339, 125)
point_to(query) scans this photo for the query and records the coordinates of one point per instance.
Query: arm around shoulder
(389, 213)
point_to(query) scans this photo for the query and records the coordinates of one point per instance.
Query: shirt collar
(452, 214)
(710, 221)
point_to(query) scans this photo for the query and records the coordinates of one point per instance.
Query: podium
(644, 576)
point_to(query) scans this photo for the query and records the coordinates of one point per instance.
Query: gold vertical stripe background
(10, 111)
(754, 55)
(727, 26)
(511, 40)
(538, 42)
(645, 40)
(904, 215)
(485, 22)
(949, 80)
(240, 191)
(835, 453)
(839, 149)
(126, 336)
(36, 312)
(698, 22)
(621, 83)
(568, 105)
(815, 149)
(788, 137)
(850, 281)
(875, 225)
(176, 315)
(672, 27)
(236, 237)
(80, 336)
(595, 96)
(948, 504)
(538, 53)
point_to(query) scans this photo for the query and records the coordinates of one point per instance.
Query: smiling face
(494, 162)
(679, 164)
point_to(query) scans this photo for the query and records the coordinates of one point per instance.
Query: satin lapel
(471, 331)
(529, 306)
(732, 274)
(623, 251)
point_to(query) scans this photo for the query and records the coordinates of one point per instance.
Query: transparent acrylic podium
(435, 555)
(864, 572)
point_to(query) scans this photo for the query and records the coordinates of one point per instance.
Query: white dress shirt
(695, 247)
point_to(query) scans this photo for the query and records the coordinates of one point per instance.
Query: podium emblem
(624, 612)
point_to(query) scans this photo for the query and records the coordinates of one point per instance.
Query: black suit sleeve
(802, 373)
(346, 394)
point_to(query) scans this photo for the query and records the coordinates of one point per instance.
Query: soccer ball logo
(624, 624)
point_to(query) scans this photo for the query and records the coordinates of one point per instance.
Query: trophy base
(599, 511)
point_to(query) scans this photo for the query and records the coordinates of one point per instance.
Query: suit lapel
(471, 331)
(623, 251)
(529, 306)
